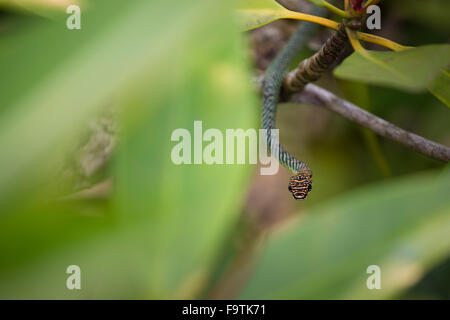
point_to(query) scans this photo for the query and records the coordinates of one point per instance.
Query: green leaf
(158, 236)
(413, 70)
(440, 88)
(253, 14)
(401, 226)
(185, 210)
(65, 77)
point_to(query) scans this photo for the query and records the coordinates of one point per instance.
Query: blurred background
(86, 176)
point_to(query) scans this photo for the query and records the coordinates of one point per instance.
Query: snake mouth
(300, 185)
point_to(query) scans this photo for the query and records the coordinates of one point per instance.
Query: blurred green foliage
(161, 232)
(400, 226)
(155, 238)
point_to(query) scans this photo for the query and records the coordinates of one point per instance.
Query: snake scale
(309, 70)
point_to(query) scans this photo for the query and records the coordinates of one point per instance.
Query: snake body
(300, 183)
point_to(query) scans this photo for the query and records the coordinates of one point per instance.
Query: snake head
(301, 184)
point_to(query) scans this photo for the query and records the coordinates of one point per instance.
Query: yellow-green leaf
(252, 19)
(256, 13)
(253, 14)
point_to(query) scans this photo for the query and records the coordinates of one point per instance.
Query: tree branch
(315, 95)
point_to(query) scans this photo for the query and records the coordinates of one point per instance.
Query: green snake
(309, 70)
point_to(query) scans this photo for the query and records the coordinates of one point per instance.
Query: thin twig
(318, 96)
